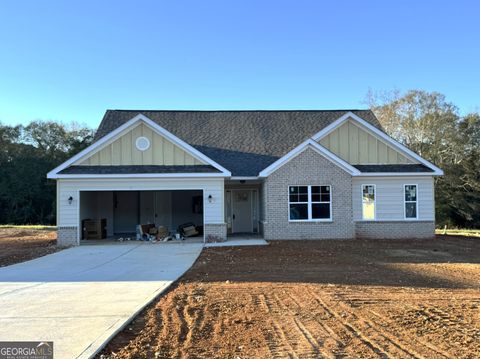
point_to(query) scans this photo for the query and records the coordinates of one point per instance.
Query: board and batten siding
(358, 146)
(69, 214)
(123, 151)
(389, 197)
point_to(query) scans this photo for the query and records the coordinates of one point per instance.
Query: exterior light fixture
(210, 198)
(70, 200)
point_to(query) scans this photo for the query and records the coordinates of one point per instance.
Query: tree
(429, 125)
(425, 122)
(27, 153)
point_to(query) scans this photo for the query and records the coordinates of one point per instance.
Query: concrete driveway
(80, 297)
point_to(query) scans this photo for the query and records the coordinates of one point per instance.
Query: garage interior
(124, 210)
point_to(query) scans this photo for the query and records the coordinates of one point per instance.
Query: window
(368, 202)
(307, 203)
(298, 197)
(411, 204)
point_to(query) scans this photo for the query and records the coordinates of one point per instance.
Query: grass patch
(460, 232)
(29, 226)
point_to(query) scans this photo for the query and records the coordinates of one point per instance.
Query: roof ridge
(329, 110)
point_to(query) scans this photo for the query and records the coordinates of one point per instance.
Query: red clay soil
(311, 299)
(19, 245)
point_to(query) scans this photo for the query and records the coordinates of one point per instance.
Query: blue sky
(70, 61)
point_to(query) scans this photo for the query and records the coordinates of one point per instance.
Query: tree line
(424, 121)
(27, 154)
(431, 126)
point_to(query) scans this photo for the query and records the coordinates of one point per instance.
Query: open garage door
(124, 210)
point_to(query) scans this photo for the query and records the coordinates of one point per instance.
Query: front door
(242, 211)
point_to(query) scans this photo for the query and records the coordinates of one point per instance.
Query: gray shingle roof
(138, 169)
(244, 142)
(393, 168)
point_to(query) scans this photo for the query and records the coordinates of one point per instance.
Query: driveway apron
(81, 297)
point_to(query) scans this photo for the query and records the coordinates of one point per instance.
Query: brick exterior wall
(67, 236)
(308, 168)
(395, 229)
(215, 229)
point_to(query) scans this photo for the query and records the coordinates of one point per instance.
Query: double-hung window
(411, 201)
(368, 202)
(309, 203)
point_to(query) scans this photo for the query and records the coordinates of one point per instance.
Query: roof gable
(310, 144)
(129, 126)
(358, 146)
(389, 141)
(122, 151)
(245, 142)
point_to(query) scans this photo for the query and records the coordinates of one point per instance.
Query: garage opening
(122, 211)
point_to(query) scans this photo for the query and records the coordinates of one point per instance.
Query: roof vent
(142, 143)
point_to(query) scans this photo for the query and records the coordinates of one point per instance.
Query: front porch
(243, 209)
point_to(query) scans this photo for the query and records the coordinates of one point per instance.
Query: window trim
(416, 218)
(374, 201)
(309, 203)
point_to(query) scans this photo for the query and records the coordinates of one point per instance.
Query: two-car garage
(125, 203)
(124, 210)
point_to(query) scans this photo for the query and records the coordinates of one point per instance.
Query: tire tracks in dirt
(433, 351)
(374, 338)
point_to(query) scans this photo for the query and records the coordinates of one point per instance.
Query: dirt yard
(311, 299)
(19, 244)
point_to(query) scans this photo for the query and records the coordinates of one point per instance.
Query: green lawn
(460, 232)
(29, 226)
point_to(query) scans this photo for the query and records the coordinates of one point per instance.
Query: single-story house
(276, 174)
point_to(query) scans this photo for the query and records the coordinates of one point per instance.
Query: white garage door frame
(68, 195)
(80, 190)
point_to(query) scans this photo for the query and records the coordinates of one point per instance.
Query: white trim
(104, 141)
(397, 145)
(374, 201)
(394, 220)
(416, 218)
(141, 175)
(80, 190)
(396, 174)
(316, 147)
(309, 203)
(244, 178)
(338, 122)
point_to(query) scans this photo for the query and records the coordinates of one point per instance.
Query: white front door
(242, 211)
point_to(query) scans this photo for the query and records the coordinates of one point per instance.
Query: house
(280, 174)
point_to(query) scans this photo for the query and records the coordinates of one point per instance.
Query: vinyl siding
(389, 197)
(123, 151)
(358, 146)
(68, 214)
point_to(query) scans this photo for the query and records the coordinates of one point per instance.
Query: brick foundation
(67, 236)
(395, 229)
(215, 229)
